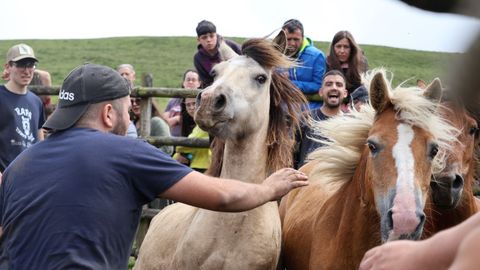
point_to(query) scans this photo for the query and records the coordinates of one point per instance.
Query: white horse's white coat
(185, 237)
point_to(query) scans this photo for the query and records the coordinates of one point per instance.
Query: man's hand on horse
(284, 180)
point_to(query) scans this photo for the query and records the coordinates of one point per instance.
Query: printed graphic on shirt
(25, 130)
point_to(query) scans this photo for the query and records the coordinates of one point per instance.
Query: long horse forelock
(265, 54)
(413, 108)
(286, 102)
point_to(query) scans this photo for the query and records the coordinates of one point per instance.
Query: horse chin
(405, 236)
(446, 202)
(217, 129)
(445, 198)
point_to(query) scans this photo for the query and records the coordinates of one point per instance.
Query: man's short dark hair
(335, 72)
(292, 25)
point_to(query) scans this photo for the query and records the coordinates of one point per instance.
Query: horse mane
(346, 135)
(286, 101)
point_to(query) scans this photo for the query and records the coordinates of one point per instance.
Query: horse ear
(225, 51)
(434, 90)
(280, 41)
(379, 93)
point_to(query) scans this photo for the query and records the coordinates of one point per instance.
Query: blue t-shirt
(74, 200)
(21, 116)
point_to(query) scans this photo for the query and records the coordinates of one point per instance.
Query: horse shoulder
(301, 215)
(163, 235)
(288, 199)
(216, 240)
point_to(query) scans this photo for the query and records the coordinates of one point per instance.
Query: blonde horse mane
(286, 101)
(346, 135)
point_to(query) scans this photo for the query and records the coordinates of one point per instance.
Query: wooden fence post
(146, 108)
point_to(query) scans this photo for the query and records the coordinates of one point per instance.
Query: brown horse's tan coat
(357, 197)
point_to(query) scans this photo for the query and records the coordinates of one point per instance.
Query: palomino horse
(247, 106)
(452, 200)
(369, 184)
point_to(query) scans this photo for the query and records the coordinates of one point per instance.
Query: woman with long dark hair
(345, 55)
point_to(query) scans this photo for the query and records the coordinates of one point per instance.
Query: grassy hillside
(166, 58)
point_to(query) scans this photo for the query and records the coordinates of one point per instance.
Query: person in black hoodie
(207, 55)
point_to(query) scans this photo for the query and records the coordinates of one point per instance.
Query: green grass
(166, 58)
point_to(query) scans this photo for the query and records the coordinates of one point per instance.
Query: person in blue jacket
(307, 76)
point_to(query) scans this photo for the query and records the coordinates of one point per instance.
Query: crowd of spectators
(335, 77)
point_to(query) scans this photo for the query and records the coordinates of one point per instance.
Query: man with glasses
(128, 72)
(21, 111)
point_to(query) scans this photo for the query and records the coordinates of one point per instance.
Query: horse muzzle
(213, 111)
(402, 216)
(403, 225)
(447, 190)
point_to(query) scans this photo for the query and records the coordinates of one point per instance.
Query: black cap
(360, 94)
(86, 84)
(205, 27)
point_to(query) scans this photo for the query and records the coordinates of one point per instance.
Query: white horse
(253, 110)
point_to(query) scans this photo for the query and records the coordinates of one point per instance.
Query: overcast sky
(379, 22)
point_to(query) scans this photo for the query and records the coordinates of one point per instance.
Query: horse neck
(358, 210)
(246, 159)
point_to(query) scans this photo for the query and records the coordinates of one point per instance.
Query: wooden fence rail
(142, 92)
(146, 93)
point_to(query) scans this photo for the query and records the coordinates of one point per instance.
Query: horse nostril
(220, 102)
(457, 182)
(390, 219)
(421, 217)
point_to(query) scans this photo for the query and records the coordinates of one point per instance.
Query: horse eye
(373, 147)
(433, 151)
(213, 73)
(473, 131)
(261, 79)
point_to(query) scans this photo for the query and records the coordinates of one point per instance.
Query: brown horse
(252, 108)
(369, 183)
(452, 200)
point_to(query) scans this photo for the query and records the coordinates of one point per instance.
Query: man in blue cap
(78, 203)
